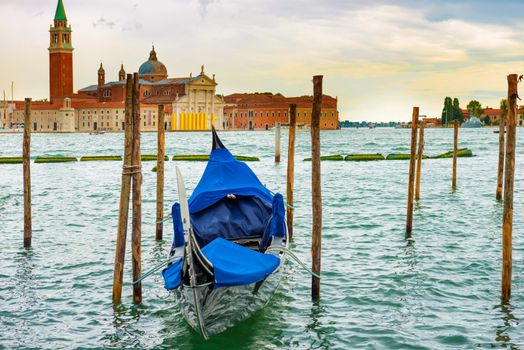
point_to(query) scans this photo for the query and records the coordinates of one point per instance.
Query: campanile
(60, 56)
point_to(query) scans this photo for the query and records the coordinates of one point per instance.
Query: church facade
(191, 103)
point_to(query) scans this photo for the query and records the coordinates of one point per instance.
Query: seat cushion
(236, 265)
(245, 216)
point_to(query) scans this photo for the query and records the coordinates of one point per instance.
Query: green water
(378, 291)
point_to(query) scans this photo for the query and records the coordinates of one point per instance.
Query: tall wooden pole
(500, 173)
(507, 217)
(123, 212)
(291, 167)
(411, 180)
(316, 243)
(420, 153)
(136, 234)
(7, 125)
(26, 154)
(277, 143)
(160, 174)
(455, 150)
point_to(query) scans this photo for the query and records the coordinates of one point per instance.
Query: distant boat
(286, 126)
(97, 132)
(498, 131)
(473, 122)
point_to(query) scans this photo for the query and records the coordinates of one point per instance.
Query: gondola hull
(230, 240)
(224, 307)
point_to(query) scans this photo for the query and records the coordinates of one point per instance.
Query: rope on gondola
(166, 218)
(156, 268)
(294, 257)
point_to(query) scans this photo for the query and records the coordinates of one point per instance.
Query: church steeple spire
(101, 75)
(152, 54)
(60, 14)
(122, 73)
(60, 56)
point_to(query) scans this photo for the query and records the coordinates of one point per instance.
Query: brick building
(261, 111)
(190, 102)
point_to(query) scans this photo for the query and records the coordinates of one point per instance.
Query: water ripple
(440, 291)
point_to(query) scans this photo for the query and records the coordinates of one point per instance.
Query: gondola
(227, 257)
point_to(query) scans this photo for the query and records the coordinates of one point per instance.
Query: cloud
(102, 22)
(204, 5)
(379, 56)
(133, 25)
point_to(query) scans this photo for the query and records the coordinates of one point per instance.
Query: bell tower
(60, 56)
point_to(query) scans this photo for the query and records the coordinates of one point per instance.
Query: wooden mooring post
(136, 234)
(455, 150)
(277, 142)
(500, 172)
(411, 179)
(291, 167)
(26, 155)
(420, 154)
(160, 174)
(316, 244)
(123, 214)
(507, 216)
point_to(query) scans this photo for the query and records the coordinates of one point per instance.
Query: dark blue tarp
(225, 175)
(213, 214)
(228, 218)
(217, 217)
(277, 225)
(178, 228)
(235, 265)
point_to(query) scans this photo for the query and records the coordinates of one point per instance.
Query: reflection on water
(25, 285)
(503, 331)
(317, 327)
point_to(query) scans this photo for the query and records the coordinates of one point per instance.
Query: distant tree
(475, 107)
(447, 111)
(486, 120)
(457, 112)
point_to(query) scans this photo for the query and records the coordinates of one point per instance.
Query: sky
(380, 58)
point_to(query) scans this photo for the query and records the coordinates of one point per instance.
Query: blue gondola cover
(178, 228)
(225, 175)
(173, 275)
(277, 225)
(235, 265)
(252, 212)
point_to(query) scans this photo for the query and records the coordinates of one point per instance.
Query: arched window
(107, 93)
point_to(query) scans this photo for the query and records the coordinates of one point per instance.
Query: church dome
(152, 70)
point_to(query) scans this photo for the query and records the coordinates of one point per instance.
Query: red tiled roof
(269, 100)
(158, 99)
(44, 106)
(488, 110)
(96, 104)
